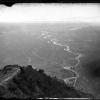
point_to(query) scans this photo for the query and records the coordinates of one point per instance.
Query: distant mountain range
(24, 82)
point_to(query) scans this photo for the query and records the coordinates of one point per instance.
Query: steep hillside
(26, 82)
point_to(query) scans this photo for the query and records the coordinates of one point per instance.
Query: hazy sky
(50, 12)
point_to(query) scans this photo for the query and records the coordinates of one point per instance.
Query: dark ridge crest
(27, 82)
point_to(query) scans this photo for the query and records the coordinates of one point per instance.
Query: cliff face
(26, 82)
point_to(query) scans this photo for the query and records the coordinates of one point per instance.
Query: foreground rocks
(26, 82)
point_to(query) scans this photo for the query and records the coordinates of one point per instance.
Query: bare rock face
(26, 82)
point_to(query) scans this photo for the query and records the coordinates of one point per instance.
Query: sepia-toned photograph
(50, 51)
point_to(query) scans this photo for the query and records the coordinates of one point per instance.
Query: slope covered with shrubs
(31, 83)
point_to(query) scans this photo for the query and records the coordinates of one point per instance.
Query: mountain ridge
(26, 82)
